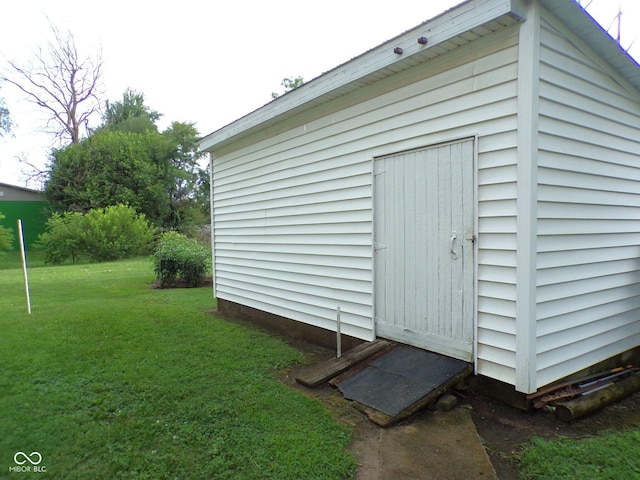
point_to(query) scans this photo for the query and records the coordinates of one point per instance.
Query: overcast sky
(213, 62)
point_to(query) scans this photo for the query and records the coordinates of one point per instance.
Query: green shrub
(101, 234)
(116, 232)
(177, 256)
(64, 237)
(6, 237)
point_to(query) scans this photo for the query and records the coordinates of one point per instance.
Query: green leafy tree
(289, 84)
(130, 114)
(184, 210)
(6, 237)
(203, 193)
(128, 161)
(113, 167)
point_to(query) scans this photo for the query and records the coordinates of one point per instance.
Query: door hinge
(471, 236)
(379, 246)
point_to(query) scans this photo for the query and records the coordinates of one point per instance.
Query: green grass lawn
(109, 379)
(611, 456)
(11, 260)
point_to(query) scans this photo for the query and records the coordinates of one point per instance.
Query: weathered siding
(293, 211)
(588, 258)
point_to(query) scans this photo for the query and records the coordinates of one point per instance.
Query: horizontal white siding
(293, 212)
(588, 260)
(296, 243)
(496, 286)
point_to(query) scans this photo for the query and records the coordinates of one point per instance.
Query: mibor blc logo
(27, 463)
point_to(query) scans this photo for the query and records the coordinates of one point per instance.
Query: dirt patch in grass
(503, 429)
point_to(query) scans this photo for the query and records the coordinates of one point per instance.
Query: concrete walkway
(430, 446)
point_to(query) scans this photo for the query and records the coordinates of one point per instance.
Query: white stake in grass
(23, 252)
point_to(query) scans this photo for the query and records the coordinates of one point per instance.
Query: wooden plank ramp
(389, 381)
(325, 371)
(401, 382)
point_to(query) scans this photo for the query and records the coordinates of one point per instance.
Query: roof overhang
(596, 37)
(462, 24)
(17, 187)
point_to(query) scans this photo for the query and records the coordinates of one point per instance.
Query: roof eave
(453, 23)
(597, 38)
(18, 187)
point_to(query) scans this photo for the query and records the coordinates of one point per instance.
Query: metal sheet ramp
(390, 382)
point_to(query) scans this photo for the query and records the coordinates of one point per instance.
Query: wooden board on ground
(322, 372)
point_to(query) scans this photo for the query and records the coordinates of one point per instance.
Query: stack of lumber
(574, 398)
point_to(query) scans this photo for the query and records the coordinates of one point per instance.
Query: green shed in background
(26, 204)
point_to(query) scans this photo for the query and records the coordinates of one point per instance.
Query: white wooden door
(423, 248)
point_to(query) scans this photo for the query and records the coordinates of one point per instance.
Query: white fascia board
(597, 38)
(448, 25)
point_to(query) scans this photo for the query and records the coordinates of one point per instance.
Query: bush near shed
(178, 257)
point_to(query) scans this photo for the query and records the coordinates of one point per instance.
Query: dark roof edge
(25, 189)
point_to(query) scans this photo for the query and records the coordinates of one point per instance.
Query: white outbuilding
(470, 187)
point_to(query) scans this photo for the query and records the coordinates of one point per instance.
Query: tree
(183, 200)
(67, 86)
(289, 84)
(130, 114)
(128, 161)
(203, 193)
(5, 119)
(112, 167)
